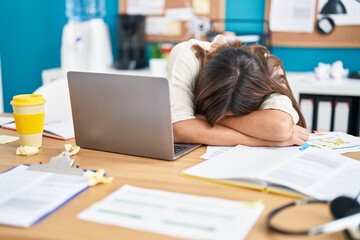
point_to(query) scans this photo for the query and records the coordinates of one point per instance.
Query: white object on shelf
(307, 83)
(52, 74)
(86, 46)
(334, 71)
(49, 75)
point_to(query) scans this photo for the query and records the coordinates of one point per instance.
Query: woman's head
(237, 79)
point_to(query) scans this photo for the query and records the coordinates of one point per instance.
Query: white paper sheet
(5, 120)
(292, 15)
(26, 197)
(162, 26)
(175, 214)
(145, 7)
(212, 151)
(180, 14)
(4, 139)
(329, 140)
(242, 162)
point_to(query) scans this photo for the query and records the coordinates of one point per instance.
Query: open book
(54, 127)
(315, 173)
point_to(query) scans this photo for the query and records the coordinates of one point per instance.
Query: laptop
(124, 114)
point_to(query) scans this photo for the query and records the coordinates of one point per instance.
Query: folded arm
(268, 124)
(199, 131)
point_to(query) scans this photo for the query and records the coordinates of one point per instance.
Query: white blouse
(183, 71)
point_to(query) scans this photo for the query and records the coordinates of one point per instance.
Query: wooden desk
(147, 173)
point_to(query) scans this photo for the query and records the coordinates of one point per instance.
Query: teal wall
(30, 39)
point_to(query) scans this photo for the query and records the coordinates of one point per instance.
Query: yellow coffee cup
(29, 118)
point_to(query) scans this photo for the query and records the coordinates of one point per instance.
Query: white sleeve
(280, 102)
(183, 71)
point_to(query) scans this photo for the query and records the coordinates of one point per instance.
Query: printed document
(292, 15)
(175, 214)
(338, 142)
(27, 197)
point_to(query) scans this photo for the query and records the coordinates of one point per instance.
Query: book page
(59, 128)
(320, 174)
(242, 163)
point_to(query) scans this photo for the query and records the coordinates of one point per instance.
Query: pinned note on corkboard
(343, 36)
(168, 20)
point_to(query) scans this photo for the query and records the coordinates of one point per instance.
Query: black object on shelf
(131, 38)
(333, 7)
(354, 75)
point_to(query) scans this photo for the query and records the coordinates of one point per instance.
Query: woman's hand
(298, 137)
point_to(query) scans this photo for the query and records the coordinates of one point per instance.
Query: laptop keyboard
(178, 148)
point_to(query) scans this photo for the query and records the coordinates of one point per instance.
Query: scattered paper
(7, 139)
(71, 150)
(175, 214)
(97, 177)
(27, 151)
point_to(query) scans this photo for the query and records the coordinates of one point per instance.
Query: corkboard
(341, 37)
(216, 11)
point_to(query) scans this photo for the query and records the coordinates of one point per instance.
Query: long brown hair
(236, 78)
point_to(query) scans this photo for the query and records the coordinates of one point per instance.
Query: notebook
(124, 114)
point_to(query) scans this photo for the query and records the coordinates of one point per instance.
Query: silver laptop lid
(122, 113)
